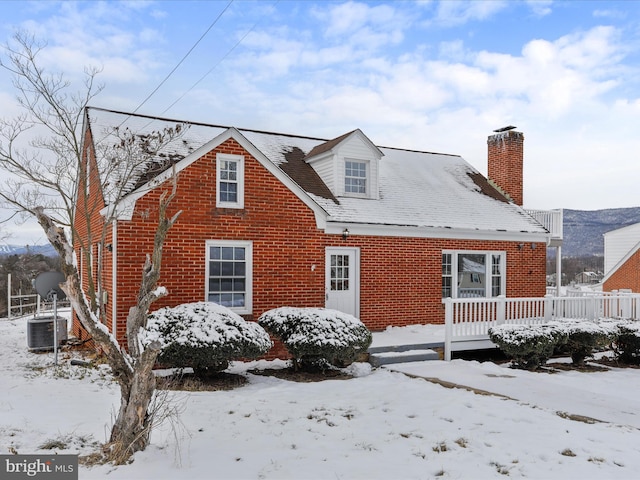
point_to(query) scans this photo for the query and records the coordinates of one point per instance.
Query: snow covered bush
(204, 336)
(529, 346)
(626, 345)
(316, 335)
(583, 337)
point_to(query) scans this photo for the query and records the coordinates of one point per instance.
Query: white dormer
(348, 165)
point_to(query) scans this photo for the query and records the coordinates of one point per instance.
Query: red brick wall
(89, 227)
(400, 278)
(627, 276)
(505, 163)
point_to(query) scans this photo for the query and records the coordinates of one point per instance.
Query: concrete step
(405, 347)
(388, 357)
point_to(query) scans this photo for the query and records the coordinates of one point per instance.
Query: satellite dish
(48, 283)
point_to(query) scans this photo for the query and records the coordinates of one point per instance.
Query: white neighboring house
(622, 259)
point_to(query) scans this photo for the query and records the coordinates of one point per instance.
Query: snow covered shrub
(529, 346)
(204, 336)
(316, 335)
(626, 344)
(583, 337)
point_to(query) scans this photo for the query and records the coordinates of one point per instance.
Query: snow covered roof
(416, 188)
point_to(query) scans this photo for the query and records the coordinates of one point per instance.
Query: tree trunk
(130, 432)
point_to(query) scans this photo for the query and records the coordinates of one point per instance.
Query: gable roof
(330, 144)
(434, 193)
(627, 246)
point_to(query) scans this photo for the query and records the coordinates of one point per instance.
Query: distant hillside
(584, 229)
(46, 250)
(583, 232)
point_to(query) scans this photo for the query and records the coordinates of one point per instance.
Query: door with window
(343, 280)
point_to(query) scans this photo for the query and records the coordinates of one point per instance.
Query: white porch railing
(467, 320)
(549, 219)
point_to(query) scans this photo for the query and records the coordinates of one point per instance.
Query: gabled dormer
(348, 165)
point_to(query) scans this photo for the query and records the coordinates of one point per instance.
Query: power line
(184, 57)
(216, 64)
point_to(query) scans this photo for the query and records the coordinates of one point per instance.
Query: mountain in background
(583, 230)
(46, 250)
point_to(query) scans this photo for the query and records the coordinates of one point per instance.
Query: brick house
(622, 259)
(272, 220)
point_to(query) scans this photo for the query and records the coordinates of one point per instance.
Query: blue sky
(428, 75)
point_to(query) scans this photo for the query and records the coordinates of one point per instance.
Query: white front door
(342, 276)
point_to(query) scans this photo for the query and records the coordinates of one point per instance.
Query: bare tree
(44, 179)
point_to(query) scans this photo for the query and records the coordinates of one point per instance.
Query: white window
(355, 177)
(229, 274)
(87, 179)
(230, 181)
(468, 274)
(81, 268)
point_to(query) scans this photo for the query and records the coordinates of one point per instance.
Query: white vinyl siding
(618, 244)
(355, 150)
(331, 166)
(325, 168)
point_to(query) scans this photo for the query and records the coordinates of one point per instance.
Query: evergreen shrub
(626, 345)
(583, 338)
(529, 346)
(316, 336)
(204, 336)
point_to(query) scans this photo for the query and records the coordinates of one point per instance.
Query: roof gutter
(354, 228)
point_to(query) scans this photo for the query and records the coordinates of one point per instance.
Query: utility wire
(216, 64)
(174, 68)
(206, 74)
(184, 57)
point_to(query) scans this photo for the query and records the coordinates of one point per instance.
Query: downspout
(114, 278)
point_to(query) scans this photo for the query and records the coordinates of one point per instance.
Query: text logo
(37, 467)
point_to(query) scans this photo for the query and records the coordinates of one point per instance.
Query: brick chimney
(505, 159)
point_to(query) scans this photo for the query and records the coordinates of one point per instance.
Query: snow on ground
(381, 424)
(413, 334)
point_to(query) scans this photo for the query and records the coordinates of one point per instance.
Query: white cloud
(609, 13)
(363, 26)
(97, 34)
(540, 8)
(454, 12)
(337, 66)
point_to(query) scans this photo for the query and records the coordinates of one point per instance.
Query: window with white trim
(468, 274)
(355, 177)
(230, 181)
(87, 167)
(229, 274)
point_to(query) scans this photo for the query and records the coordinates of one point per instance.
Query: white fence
(467, 320)
(21, 304)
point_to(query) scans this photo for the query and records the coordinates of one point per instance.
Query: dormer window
(348, 165)
(355, 177)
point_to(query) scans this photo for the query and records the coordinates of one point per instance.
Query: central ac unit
(40, 332)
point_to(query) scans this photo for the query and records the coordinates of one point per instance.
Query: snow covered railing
(467, 320)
